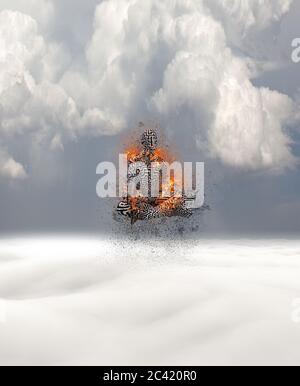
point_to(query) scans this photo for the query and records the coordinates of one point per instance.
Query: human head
(149, 140)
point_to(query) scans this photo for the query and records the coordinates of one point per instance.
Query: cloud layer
(90, 302)
(156, 58)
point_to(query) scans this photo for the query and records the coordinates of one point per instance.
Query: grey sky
(59, 195)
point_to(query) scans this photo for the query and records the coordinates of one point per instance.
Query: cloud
(241, 18)
(185, 46)
(32, 102)
(153, 59)
(40, 10)
(119, 303)
(9, 168)
(248, 127)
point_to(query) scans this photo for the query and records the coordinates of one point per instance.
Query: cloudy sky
(217, 75)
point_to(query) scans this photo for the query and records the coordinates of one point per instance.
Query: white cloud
(242, 125)
(243, 17)
(153, 57)
(247, 130)
(32, 102)
(40, 10)
(119, 303)
(9, 168)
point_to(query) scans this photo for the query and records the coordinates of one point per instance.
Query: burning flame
(132, 153)
(167, 200)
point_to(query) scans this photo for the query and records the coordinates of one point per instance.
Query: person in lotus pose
(147, 208)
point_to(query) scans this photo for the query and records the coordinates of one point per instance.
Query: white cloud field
(84, 301)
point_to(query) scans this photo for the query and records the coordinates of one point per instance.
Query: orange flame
(161, 154)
